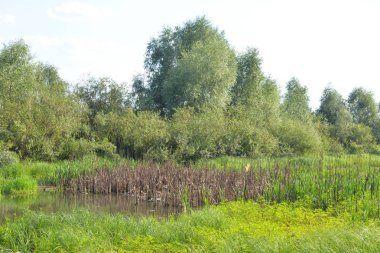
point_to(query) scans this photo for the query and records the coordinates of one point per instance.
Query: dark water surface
(51, 202)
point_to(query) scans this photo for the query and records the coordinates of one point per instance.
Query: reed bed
(349, 184)
(172, 185)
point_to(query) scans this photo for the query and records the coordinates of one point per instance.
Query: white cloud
(77, 11)
(7, 18)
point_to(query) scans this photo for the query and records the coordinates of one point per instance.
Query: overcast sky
(320, 42)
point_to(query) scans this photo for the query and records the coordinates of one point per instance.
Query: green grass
(311, 204)
(24, 177)
(18, 186)
(348, 182)
(312, 161)
(230, 227)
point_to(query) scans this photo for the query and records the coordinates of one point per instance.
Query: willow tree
(296, 102)
(37, 115)
(365, 110)
(254, 113)
(190, 65)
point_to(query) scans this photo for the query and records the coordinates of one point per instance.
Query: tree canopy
(197, 98)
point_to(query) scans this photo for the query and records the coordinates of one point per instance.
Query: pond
(51, 202)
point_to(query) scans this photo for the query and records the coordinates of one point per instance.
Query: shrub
(142, 136)
(196, 135)
(7, 158)
(297, 138)
(77, 149)
(361, 139)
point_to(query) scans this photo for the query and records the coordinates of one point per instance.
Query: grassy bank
(24, 178)
(230, 227)
(305, 204)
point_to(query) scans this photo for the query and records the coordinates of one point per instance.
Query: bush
(147, 137)
(142, 136)
(360, 139)
(196, 135)
(8, 158)
(298, 139)
(245, 139)
(77, 149)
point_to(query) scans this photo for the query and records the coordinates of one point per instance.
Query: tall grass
(24, 177)
(18, 186)
(312, 161)
(231, 227)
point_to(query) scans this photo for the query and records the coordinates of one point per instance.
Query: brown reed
(172, 185)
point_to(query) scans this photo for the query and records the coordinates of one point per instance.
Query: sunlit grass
(230, 227)
(21, 176)
(18, 186)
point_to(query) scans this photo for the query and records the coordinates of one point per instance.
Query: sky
(323, 43)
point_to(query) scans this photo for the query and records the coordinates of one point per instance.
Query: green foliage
(297, 138)
(196, 135)
(37, 114)
(196, 99)
(191, 65)
(102, 95)
(365, 110)
(148, 137)
(201, 77)
(333, 109)
(74, 149)
(254, 113)
(361, 139)
(363, 107)
(249, 77)
(245, 134)
(7, 158)
(296, 102)
(330, 145)
(142, 135)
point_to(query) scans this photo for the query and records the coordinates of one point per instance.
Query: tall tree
(363, 107)
(257, 94)
(37, 114)
(249, 77)
(296, 102)
(102, 95)
(188, 65)
(333, 108)
(202, 77)
(365, 110)
(334, 111)
(253, 114)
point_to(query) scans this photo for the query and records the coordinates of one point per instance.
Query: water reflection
(50, 202)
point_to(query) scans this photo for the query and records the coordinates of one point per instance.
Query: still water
(51, 202)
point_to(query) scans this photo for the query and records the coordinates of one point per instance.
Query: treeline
(197, 98)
